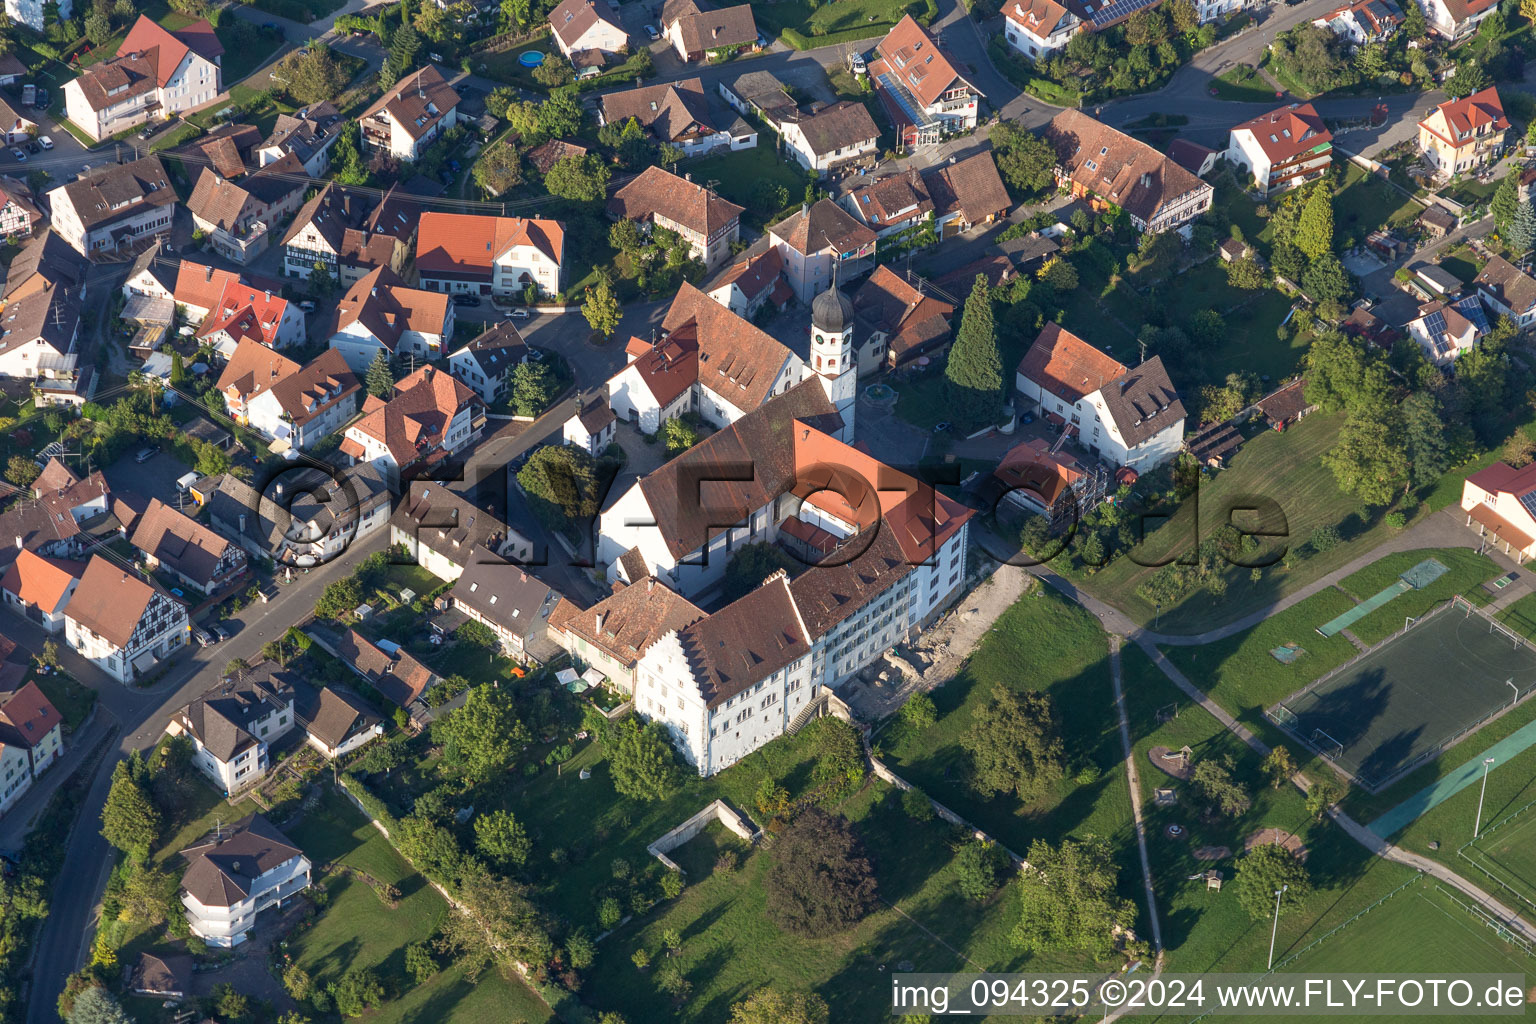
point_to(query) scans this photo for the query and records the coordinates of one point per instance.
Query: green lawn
(743, 177)
(1242, 84)
(358, 928)
(1468, 571)
(1463, 262)
(1048, 644)
(65, 693)
(304, 11)
(1250, 345)
(1284, 467)
(924, 401)
(256, 107)
(1366, 203)
(805, 25)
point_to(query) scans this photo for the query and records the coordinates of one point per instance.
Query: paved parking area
(155, 478)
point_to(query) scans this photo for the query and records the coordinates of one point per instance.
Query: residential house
(967, 194)
(1127, 416)
(1445, 329)
(411, 115)
(898, 322)
(822, 244)
(198, 287)
(1038, 28)
(464, 253)
(678, 114)
(156, 75)
(1196, 159)
(44, 297)
(226, 149)
(351, 234)
(896, 203)
(336, 722)
(706, 360)
(54, 522)
(612, 635)
(306, 518)
(698, 30)
(307, 136)
(1030, 252)
(1283, 148)
(1034, 479)
(307, 404)
(19, 215)
(551, 151)
(582, 26)
(430, 417)
(240, 219)
(923, 95)
(252, 369)
(749, 285)
(244, 869)
(1112, 169)
(1508, 291)
(758, 92)
(1363, 21)
(12, 70)
(248, 313)
(444, 533)
(392, 672)
(162, 975)
(655, 196)
(486, 362)
(790, 443)
(1456, 19)
(186, 549)
(380, 313)
(38, 587)
(31, 14)
(513, 604)
(591, 427)
(1497, 501)
(831, 138)
(30, 740)
(232, 724)
(114, 206)
(1462, 135)
(121, 623)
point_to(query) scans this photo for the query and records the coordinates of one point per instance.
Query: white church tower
(832, 357)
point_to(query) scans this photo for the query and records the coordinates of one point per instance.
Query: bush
(917, 805)
(979, 868)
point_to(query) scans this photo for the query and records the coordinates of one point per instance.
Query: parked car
(42, 98)
(145, 454)
(34, 148)
(204, 638)
(466, 300)
(148, 132)
(45, 142)
(939, 428)
(18, 153)
(520, 313)
(307, 306)
(651, 31)
(856, 64)
(267, 592)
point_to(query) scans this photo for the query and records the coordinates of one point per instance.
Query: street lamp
(1478, 827)
(1276, 930)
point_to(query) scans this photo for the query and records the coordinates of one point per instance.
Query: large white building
(463, 253)
(1127, 416)
(114, 206)
(122, 624)
(231, 725)
(1282, 149)
(894, 558)
(30, 740)
(924, 96)
(243, 869)
(156, 75)
(410, 116)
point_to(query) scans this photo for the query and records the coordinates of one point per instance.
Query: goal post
(1284, 716)
(1326, 745)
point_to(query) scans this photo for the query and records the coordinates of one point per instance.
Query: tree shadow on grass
(440, 1007)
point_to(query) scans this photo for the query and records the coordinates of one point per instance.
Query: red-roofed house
(156, 75)
(382, 313)
(656, 196)
(307, 403)
(1457, 19)
(922, 92)
(1498, 502)
(121, 623)
(582, 25)
(39, 587)
(30, 740)
(1363, 21)
(246, 313)
(748, 285)
(1283, 148)
(1038, 28)
(462, 253)
(430, 416)
(1463, 134)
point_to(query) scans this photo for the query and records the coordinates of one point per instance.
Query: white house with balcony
(231, 725)
(241, 870)
(156, 75)
(411, 116)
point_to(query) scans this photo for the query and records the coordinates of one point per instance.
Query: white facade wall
(162, 631)
(347, 745)
(1097, 430)
(226, 927)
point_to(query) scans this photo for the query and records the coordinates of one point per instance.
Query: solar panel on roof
(1528, 500)
(1434, 324)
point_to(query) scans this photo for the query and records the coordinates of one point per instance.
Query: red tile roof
(147, 35)
(1288, 132)
(669, 367)
(246, 313)
(659, 192)
(418, 415)
(464, 243)
(1116, 167)
(736, 360)
(916, 60)
(628, 621)
(40, 581)
(252, 369)
(1467, 115)
(198, 284)
(27, 717)
(1066, 365)
(388, 307)
(110, 601)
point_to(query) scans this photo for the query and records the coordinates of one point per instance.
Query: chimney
(242, 527)
(688, 176)
(805, 208)
(269, 296)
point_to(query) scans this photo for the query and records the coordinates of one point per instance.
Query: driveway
(155, 478)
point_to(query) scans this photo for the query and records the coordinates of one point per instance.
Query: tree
(1279, 766)
(1266, 870)
(380, 379)
(1067, 900)
(1426, 438)
(148, 896)
(626, 237)
(98, 27)
(601, 308)
(507, 919)
(347, 166)
(580, 950)
(21, 471)
(979, 868)
(339, 598)
(1213, 778)
(1519, 449)
(975, 369)
(561, 483)
(642, 762)
(501, 839)
(1505, 201)
(1373, 61)
(358, 990)
(1415, 25)
(403, 47)
(1468, 78)
(677, 436)
(498, 169)
(1321, 795)
(314, 76)
(129, 819)
(1521, 233)
(297, 982)
(560, 115)
(230, 1004)
(483, 736)
(1314, 226)
(919, 711)
(1369, 459)
(420, 964)
(1184, 16)
(1014, 744)
(750, 565)
(1245, 273)
(770, 1006)
(1025, 160)
(532, 387)
(554, 73)
(581, 178)
(820, 882)
(96, 1005)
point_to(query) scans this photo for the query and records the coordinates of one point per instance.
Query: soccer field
(1394, 706)
(1507, 851)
